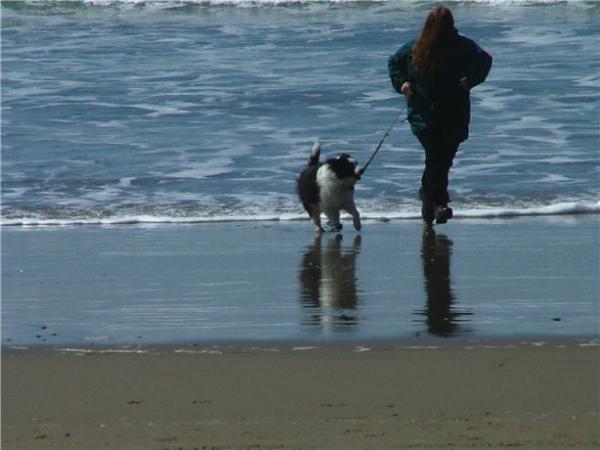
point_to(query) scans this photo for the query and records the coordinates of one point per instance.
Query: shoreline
(553, 211)
(224, 346)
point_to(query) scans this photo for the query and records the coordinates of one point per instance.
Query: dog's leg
(315, 214)
(334, 219)
(351, 209)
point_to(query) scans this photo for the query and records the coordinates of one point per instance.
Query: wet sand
(483, 334)
(186, 284)
(346, 396)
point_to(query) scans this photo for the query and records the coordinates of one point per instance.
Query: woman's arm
(398, 68)
(477, 66)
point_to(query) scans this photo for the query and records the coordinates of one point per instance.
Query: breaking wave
(258, 214)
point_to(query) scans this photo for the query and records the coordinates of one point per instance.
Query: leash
(387, 133)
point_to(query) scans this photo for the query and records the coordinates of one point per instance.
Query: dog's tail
(314, 155)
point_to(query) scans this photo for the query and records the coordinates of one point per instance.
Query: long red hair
(429, 54)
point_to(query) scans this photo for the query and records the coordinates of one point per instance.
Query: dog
(329, 188)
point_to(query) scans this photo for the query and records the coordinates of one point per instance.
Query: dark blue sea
(192, 111)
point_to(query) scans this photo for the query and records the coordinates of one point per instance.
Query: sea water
(121, 111)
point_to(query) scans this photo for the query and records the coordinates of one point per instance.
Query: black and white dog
(329, 188)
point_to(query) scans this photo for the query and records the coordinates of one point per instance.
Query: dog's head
(344, 166)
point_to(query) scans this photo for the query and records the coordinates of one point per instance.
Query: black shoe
(442, 213)
(427, 208)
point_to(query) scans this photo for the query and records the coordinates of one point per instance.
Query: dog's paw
(336, 227)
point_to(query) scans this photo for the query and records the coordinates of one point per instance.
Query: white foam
(164, 110)
(592, 81)
(361, 349)
(262, 214)
(548, 210)
(209, 168)
(107, 350)
(200, 352)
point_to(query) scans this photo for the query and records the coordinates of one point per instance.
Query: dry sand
(344, 396)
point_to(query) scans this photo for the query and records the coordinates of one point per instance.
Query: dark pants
(439, 155)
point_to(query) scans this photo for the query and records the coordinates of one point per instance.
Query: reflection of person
(328, 281)
(442, 318)
(436, 73)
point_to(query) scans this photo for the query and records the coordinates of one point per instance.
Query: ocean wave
(411, 212)
(292, 2)
(66, 5)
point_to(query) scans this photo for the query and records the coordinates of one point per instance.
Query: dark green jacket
(440, 102)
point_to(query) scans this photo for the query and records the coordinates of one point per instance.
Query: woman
(436, 73)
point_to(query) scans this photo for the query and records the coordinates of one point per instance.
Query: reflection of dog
(329, 188)
(328, 281)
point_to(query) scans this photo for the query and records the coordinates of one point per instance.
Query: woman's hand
(464, 83)
(406, 89)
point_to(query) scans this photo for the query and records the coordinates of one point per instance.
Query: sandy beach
(482, 334)
(383, 396)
